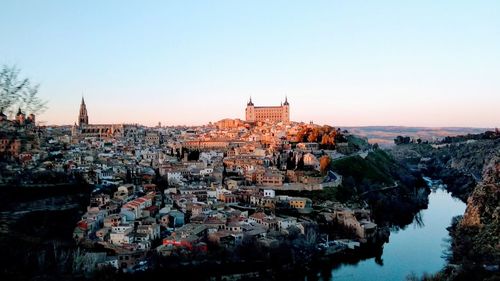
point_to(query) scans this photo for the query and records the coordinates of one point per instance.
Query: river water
(416, 249)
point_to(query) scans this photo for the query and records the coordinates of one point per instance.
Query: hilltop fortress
(267, 113)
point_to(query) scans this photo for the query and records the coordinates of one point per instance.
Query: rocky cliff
(458, 165)
(471, 171)
(476, 237)
(483, 205)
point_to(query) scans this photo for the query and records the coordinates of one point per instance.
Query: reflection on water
(418, 221)
(418, 248)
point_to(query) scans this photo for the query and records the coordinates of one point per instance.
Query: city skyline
(342, 64)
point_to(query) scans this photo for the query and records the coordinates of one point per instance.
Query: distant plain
(385, 135)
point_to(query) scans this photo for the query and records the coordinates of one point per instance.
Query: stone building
(17, 135)
(84, 129)
(267, 113)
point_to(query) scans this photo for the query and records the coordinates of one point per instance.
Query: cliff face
(476, 237)
(483, 205)
(491, 172)
(458, 165)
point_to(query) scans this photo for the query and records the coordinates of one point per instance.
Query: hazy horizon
(384, 63)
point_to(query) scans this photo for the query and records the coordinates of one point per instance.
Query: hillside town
(185, 191)
(249, 140)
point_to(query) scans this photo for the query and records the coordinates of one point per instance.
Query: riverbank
(417, 248)
(471, 171)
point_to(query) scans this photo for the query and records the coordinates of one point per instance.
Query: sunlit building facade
(267, 113)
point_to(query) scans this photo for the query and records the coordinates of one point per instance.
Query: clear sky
(425, 63)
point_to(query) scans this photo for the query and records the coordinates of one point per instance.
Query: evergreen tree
(128, 177)
(300, 163)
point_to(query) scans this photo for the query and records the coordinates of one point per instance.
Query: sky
(349, 63)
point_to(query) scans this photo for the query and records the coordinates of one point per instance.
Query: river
(416, 249)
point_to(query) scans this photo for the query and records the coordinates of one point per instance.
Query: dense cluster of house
(138, 218)
(179, 189)
(218, 194)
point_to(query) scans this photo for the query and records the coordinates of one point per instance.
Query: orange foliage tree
(324, 164)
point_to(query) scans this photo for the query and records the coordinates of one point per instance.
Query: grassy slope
(365, 177)
(377, 169)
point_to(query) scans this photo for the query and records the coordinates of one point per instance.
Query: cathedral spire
(286, 101)
(83, 118)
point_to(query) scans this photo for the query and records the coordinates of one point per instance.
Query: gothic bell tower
(83, 118)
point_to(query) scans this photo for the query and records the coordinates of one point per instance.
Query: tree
(17, 92)
(290, 162)
(324, 164)
(193, 155)
(402, 140)
(300, 163)
(128, 177)
(313, 136)
(325, 139)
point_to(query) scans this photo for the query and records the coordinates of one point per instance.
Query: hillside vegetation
(391, 189)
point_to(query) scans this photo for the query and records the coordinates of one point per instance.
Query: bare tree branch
(16, 92)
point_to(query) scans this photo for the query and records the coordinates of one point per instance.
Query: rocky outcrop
(476, 238)
(472, 216)
(483, 205)
(459, 165)
(491, 174)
